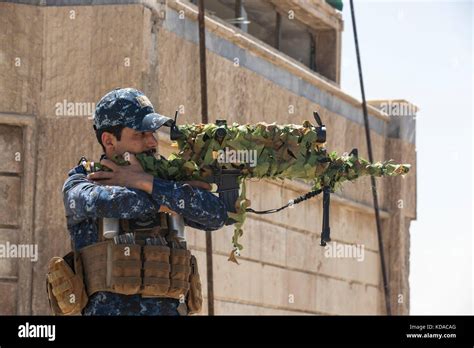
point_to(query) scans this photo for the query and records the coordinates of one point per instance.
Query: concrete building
(58, 57)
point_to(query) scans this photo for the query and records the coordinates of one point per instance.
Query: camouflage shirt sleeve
(85, 199)
(200, 208)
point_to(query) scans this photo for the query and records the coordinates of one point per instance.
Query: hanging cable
(371, 159)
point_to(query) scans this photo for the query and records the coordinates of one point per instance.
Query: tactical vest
(154, 264)
(145, 259)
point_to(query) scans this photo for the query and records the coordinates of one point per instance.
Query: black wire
(372, 178)
(300, 199)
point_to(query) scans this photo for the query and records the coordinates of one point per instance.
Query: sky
(422, 51)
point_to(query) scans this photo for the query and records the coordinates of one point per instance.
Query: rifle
(281, 152)
(289, 146)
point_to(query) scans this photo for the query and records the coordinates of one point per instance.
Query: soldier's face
(135, 142)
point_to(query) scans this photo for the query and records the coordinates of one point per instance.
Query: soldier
(125, 121)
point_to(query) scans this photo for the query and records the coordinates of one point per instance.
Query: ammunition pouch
(64, 285)
(156, 270)
(147, 270)
(166, 270)
(180, 262)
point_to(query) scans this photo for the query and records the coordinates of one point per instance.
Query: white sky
(421, 51)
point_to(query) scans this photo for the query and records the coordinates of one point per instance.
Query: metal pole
(204, 119)
(278, 31)
(202, 61)
(372, 178)
(238, 13)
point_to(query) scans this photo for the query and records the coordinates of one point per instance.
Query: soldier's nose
(151, 141)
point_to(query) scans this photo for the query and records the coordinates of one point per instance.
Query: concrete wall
(78, 53)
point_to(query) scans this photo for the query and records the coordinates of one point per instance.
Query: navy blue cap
(128, 107)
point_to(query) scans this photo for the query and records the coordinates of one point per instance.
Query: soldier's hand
(132, 176)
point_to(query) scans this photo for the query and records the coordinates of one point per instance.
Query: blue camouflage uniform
(85, 202)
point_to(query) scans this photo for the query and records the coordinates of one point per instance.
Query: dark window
(315, 49)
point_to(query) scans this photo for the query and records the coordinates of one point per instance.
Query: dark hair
(116, 131)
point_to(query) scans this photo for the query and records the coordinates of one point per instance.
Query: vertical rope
(372, 178)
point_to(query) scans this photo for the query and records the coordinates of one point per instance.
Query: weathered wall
(78, 56)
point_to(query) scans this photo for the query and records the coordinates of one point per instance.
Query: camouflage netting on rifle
(268, 151)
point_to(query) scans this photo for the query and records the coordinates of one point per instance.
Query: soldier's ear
(108, 139)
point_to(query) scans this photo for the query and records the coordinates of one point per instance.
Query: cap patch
(144, 101)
